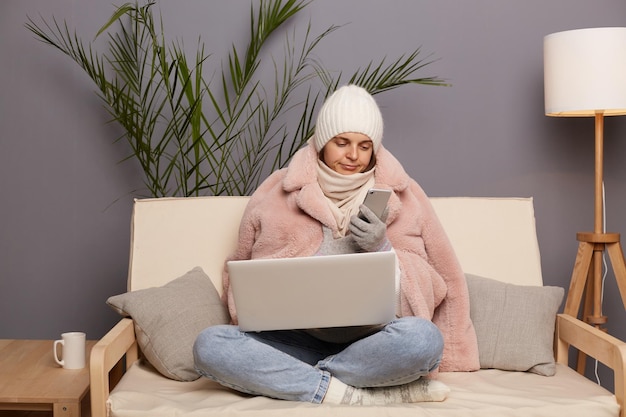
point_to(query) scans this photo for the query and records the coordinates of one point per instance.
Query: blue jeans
(293, 365)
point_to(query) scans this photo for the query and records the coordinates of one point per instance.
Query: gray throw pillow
(168, 319)
(514, 324)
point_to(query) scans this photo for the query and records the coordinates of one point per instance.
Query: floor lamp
(585, 76)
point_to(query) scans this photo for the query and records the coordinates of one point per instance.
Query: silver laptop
(314, 292)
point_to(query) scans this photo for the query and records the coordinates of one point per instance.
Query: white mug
(73, 356)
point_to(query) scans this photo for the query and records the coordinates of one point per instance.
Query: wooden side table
(31, 380)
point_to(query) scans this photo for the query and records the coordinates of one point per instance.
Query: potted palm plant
(219, 136)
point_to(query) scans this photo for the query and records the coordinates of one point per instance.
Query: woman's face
(348, 153)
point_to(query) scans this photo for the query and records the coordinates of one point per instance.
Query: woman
(311, 208)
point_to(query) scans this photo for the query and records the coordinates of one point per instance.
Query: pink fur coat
(283, 219)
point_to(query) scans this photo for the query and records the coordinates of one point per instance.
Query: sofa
(143, 365)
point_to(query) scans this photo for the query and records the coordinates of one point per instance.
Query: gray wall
(66, 200)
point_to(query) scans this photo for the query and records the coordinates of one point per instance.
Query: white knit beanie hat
(349, 109)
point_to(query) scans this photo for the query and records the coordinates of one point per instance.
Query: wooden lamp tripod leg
(579, 278)
(588, 281)
(619, 267)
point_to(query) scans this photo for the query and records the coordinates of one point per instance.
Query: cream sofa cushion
(492, 237)
(484, 393)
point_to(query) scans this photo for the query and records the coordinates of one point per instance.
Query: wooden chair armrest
(109, 352)
(597, 344)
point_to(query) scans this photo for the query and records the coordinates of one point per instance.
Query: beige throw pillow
(514, 324)
(169, 318)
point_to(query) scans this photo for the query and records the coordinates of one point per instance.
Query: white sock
(422, 390)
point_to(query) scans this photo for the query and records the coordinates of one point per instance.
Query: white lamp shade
(585, 72)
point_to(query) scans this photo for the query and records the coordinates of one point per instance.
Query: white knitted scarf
(345, 193)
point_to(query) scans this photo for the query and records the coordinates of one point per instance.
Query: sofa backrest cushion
(170, 236)
(493, 237)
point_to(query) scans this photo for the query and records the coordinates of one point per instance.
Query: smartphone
(376, 200)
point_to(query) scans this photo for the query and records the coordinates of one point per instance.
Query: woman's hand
(339, 246)
(369, 232)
